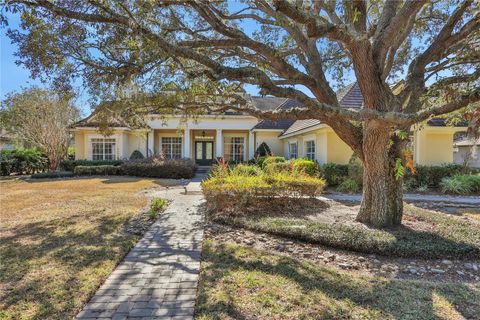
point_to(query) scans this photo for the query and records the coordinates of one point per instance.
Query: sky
(12, 76)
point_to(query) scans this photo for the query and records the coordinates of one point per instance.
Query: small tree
(40, 118)
(263, 150)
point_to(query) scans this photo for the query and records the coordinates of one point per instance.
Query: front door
(204, 152)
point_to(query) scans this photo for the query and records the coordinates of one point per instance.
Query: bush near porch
(231, 188)
(69, 165)
(160, 168)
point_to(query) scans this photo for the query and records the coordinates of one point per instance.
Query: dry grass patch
(59, 240)
(243, 283)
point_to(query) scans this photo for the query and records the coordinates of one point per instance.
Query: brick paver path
(158, 278)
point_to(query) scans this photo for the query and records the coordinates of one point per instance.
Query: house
(236, 136)
(467, 151)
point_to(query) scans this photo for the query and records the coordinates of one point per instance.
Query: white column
(219, 144)
(186, 143)
(150, 144)
(251, 145)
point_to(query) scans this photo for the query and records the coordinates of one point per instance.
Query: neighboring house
(467, 151)
(236, 136)
(6, 140)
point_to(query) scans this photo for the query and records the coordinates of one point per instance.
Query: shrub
(136, 155)
(263, 150)
(461, 184)
(246, 170)
(156, 168)
(22, 161)
(69, 165)
(305, 166)
(275, 167)
(349, 185)
(267, 160)
(234, 191)
(355, 170)
(432, 176)
(52, 174)
(334, 173)
(97, 170)
(157, 205)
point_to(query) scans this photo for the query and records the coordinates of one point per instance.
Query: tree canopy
(300, 49)
(40, 118)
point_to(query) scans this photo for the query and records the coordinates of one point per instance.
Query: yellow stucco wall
(433, 145)
(328, 146)
(137, 141)
(79, 145)
(271, 139)
(337, 150)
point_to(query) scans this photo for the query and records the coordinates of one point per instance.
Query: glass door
(204, 152)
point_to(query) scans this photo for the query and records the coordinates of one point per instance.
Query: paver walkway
(473, 200)
(158, 278)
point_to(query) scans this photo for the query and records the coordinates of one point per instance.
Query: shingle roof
(267, 103)
(301, 125)
(442, 122)
(350, 96)
(275, 125)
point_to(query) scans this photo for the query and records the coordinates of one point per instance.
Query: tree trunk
(382, 203)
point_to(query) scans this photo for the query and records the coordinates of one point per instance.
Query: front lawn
(59, 240)
(244, 283)
(423, 234)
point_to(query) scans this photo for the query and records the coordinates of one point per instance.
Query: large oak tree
(297, 49)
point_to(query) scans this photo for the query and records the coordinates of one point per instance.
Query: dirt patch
(436, 270)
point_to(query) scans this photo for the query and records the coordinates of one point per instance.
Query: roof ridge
(281, 104)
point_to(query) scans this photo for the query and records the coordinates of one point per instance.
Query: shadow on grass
(48, 268)
(114, 179)
(283, 288)
(423, 234)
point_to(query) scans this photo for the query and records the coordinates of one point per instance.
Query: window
(292, 150)
(234, 148)
(103, 149)
(171, 147)
(310, 149)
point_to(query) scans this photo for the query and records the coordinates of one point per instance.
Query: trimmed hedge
(52, 174)
(22, 161)
(431, 176)
(166, 169)
(263, 161)
(306, 166)
(69, 165)
(97, 170)
(334, 173)
(229, 191)
(136, 155)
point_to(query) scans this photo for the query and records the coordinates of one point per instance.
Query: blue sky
(12, 76)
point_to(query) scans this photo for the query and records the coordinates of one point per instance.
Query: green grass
(156, 206)
(440, 235)
(243, 283)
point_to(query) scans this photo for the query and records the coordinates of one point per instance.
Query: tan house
(236, 136)
(467, 151)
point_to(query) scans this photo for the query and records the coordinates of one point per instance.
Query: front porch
(202, 145)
